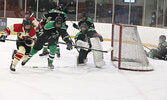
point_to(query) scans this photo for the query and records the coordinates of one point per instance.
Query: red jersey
(21, 33)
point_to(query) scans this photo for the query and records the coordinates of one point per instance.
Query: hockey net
(128, 53)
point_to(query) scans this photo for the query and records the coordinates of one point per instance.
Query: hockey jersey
(21, 33)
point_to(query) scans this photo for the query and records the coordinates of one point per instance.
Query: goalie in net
(128, 53)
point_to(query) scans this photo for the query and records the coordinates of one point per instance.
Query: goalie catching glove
(3, 37)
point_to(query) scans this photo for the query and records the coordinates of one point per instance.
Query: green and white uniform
(160, 52)
(50, 34)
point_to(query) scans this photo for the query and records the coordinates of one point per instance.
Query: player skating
(26, 37)
(50, 16)
(35, 24)
(51, 33)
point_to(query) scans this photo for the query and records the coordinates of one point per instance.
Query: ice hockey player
(35, 23)
(161, 51)
(89, 38)
(85, 19)
(26, 37)
(50, 17)
(51, 32)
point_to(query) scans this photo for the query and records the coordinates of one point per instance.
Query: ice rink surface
(69, 82)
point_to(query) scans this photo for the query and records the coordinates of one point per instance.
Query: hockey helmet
(27, 23)
(58, 21)
(162, 38)
(84, 27)
(84, 15)
(60, 7)
(27, 14)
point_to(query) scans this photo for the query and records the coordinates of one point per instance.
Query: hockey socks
(32, 52)
(52, 52)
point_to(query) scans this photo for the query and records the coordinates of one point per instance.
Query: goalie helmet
(84, 28)
(162, 38)
(27, 22)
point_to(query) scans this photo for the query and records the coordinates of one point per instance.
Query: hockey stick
(107, 51)
(73, 43)
(10, 40)
(147, 47)
(13, 40)
(31, 14)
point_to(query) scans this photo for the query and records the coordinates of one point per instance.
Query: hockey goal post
(128, 53)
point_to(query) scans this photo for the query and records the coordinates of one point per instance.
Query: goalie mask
(27, 24)
(162, 38)
(84, 28)
(58, 21)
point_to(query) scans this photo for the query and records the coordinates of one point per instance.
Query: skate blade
(13, 72)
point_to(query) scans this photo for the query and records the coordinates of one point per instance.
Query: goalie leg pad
(97, 56)
(82, 58)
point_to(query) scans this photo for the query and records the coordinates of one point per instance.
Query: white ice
(68, 82)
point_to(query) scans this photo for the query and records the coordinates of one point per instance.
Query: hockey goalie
(89, 38)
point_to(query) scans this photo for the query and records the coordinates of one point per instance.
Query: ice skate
(58, 54)
(23, 62)
(12, 68)
(98, 67)
(51, 66)
(45, 52)
(81, 63)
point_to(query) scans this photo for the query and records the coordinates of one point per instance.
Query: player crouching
(26, 36)
(89, 38)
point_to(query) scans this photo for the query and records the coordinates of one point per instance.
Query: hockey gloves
(75, 26)
(3, 37)
(29, 41)
(69, 45)
(99, 36)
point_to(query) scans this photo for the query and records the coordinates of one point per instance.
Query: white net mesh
(132, 55)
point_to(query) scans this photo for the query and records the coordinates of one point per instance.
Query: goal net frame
(117, 42)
